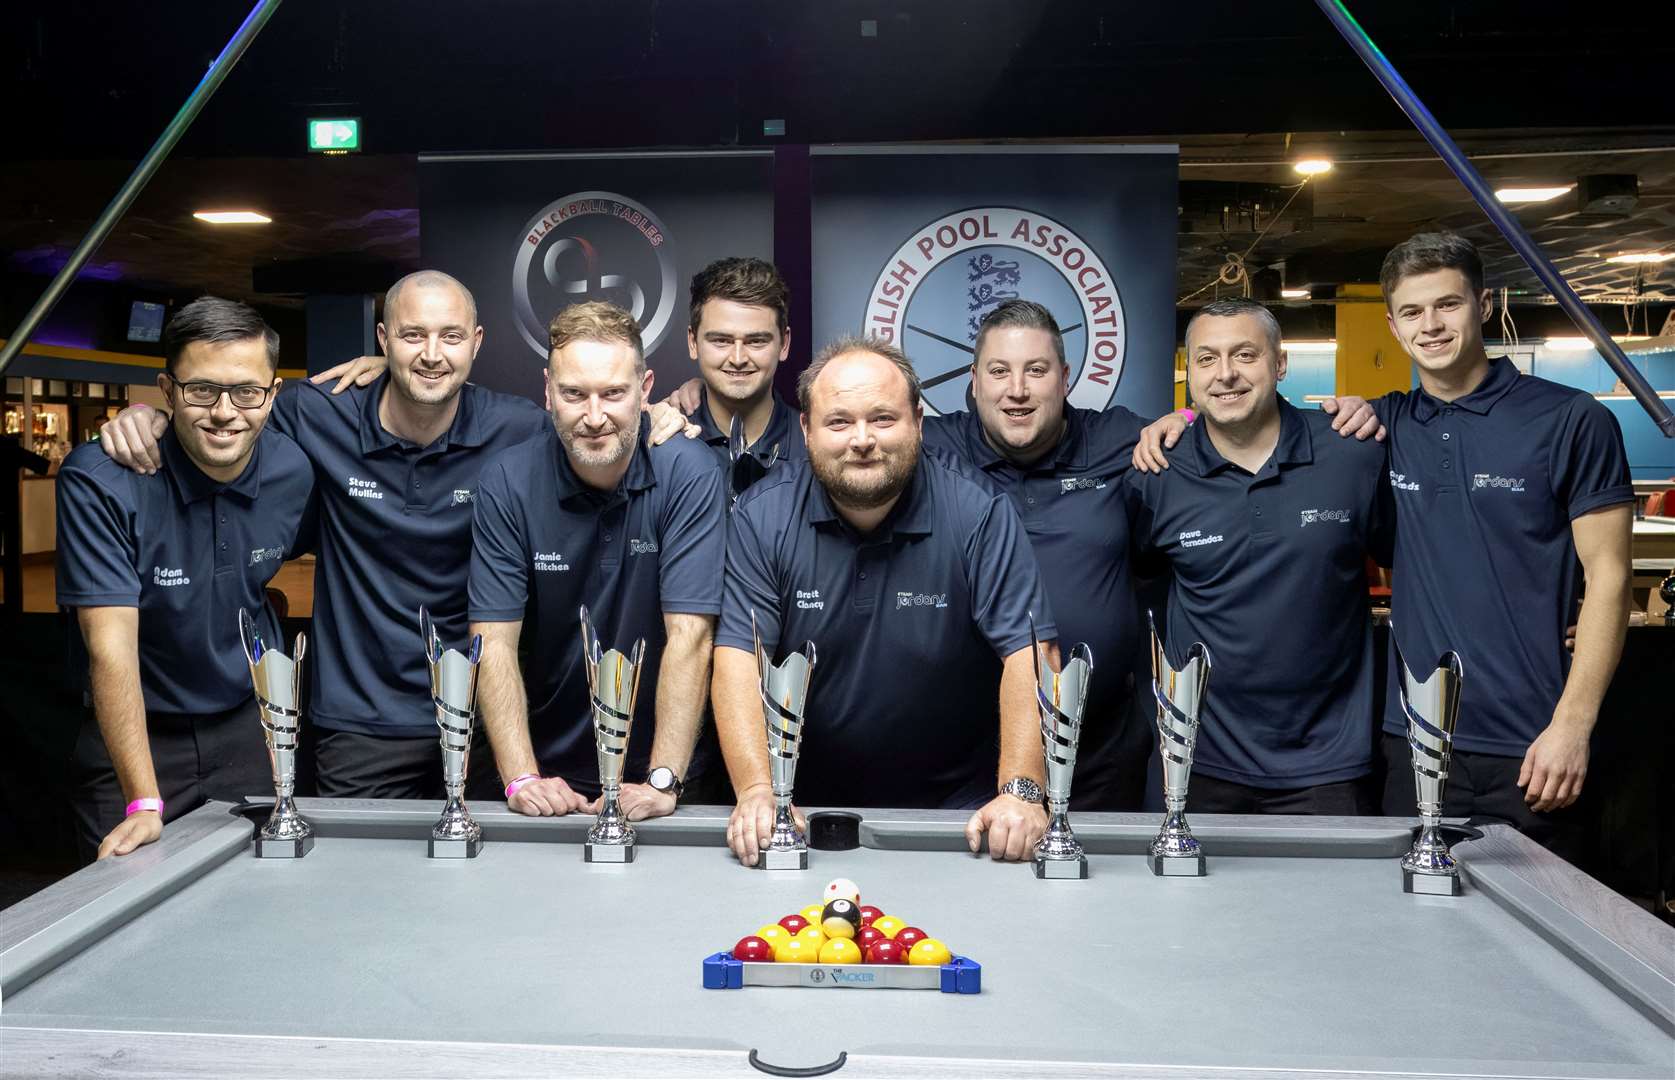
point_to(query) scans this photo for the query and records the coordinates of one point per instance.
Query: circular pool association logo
(594, 245)
(934, 291)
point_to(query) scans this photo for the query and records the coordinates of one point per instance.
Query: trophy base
(456, 849)
(294, 848)
(1075, 869)
(1430, 884)
(1178, 865)
(782, 859)
(607, 853)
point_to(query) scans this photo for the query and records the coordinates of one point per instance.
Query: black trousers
(1112, 776)
(1211, 795)
(1483, 789)
(350, 765)
(196, 756)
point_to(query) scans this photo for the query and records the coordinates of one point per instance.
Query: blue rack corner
(962, 975)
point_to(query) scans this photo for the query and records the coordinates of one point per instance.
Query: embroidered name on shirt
(1316, 517)
(1081, 483)
(809, 600)
(462, 496)
(1508, 483)
(364, 489)
(642, 547)
(550, 561)
(1196, 538)
(261, 555)
(912, 599)
(1400, 482)
(168, 578)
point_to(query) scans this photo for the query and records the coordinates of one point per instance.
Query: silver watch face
(662, 778)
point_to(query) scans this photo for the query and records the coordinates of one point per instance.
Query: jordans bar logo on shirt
(1317, 517)
(1081, 483)
(1506, 483)
(912, 599)
(642, 547)
(262, 555)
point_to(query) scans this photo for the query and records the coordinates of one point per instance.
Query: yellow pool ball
(888, 925)
(929, 951)
(811, 914)
(774, 934)
(840, 951)
(797, 950)
(813, 935)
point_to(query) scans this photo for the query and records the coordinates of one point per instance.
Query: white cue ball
(843, 888)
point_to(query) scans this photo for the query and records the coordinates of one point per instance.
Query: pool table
(1297, 955)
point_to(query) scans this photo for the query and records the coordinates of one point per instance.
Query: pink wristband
(143, 804)
(512, 788)
(1189, 414)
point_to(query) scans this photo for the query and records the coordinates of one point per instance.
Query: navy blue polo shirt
(1486, 487)
(1073, 506)
(781, 440)
(544, 544)
(395, 535)
(1269, 572)
(189, 552)
(910, 624)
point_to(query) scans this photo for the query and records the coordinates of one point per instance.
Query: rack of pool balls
(842, 942)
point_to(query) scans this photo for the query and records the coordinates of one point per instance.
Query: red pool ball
(753, 948)
(866, 935)
(909, 936)
(793, 923)
(869, 913)
(886, 952)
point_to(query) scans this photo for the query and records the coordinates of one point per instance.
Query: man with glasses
(157, 567)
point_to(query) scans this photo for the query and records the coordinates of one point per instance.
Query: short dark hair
(843, 346)
(1023, 315)
(1232, 308)
(755, 282)
(212, 319)
(1430, 251)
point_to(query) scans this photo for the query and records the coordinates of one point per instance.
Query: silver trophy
(453, 690)
(1180, 695)
(613, 680)
(784, 699)
(1061, 696)
(1432, 707)
(277, 681)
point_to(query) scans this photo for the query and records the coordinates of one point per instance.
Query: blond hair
(596, 320)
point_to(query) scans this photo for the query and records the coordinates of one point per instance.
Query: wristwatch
(1022, 787)
(664, 779)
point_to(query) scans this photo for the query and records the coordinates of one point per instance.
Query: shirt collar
(913, 514)
(639, 477)
(1502, 376)
(192, 485)
(1071, 450)
(1295, 445)
(777, 433)
(467, 429)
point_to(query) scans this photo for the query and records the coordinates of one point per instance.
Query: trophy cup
(1180, 696)
(1061, 697)
(614, 680)
(784, 698)
(1431, 707)
(277, 681)
(453, 690)
(746, 467)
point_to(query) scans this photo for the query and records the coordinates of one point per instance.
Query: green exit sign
(334, 136)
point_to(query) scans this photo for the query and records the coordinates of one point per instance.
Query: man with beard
(396, 464)
(916, 583)
(584, 515)
(1266, 519)
(157, 568)
(1062, 467)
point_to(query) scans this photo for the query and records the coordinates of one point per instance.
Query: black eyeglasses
(208, 394)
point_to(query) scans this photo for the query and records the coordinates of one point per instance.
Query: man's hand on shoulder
(130, 438)
(1156, 437)
(361, 371)
(1353, 416)
(667, 422)
(687, 396)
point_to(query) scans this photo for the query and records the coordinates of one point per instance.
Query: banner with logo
(917, 244)
(530, 233)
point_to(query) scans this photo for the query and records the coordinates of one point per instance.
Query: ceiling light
(1642, 257)
(1313, 166)
(1530, 194)
(1568, 344)
(1309, 346)
(1295, 294)
(233, 217)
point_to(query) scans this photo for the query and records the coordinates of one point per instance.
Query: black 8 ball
(840, 919)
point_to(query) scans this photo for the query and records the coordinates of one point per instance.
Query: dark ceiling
(1539, 92)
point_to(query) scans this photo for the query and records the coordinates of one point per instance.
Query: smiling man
(1266, 519)
(396, 465)
(915, 582)
(157, 568)
(585, 515)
